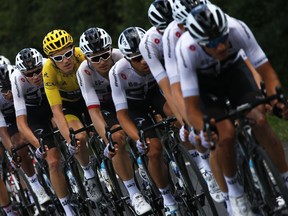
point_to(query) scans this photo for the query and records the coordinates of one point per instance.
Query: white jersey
(94, 87)
(126, 83)
(170, 37)
(24, 93)
(192, 59)
(152, 51)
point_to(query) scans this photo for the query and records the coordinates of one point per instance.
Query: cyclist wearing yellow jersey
(65, 99)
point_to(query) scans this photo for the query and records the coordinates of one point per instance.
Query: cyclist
(9, 132)
(30, 103)
(179, 11)
(224, 53)
(134, 89)
(65, 99)
(159, 15)
(93, 78)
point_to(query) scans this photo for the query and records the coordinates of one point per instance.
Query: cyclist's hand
(183, 133)
(192, 137)
(74, 149)
(280, 110)
(41, 154)
(109, 154)
(198, 139)
(141, 148)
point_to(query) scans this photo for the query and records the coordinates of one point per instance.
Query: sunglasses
(67, 55)
(137, 58)
(98, 58)
(31, 74)
(214, 43)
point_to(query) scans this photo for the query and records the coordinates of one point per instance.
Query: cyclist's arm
(98, 122)
(194, 113)
(25, 130)
(269, 76)
(127, 124)
(7, 143)
(178, 99)
(165, 87)
(60, 121)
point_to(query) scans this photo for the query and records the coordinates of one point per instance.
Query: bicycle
(114, 202)
(83, 204)
(260, 178)
(26, 196)
(190, 188)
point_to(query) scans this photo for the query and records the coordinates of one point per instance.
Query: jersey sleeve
(85, 81)
(186, 61)
(17, 82)
(118, 88)
(50, 83)
(247, 41)
(170, 39)
(151, 50)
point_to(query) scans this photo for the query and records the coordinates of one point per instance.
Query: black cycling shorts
(109, 113)
(140, 109)
(78, 109)
(39, 119)
(235, 83)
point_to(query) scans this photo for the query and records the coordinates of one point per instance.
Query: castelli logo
(192, 48)
(178, 34)
(123, 76)
(23, 79)
(157, 41)
(87, 72)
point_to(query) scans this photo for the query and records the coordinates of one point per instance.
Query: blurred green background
(25, 23)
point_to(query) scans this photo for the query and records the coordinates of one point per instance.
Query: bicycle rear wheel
(195, 190)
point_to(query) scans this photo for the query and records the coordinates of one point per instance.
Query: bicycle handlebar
(240, 110)
(108, 134)
(163, 123)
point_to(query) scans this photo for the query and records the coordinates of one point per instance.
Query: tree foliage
(25, 23)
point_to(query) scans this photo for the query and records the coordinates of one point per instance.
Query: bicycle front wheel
(273, 188)
(195, 187)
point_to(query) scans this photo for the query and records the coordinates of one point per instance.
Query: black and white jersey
(94, 87)
(192, 59)
(127, 83)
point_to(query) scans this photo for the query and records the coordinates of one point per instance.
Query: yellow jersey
(60, 86)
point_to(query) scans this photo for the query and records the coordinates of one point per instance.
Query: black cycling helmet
(28, 59)
(207, 22)
(94, 40)
(160, 14)
(5, 72)
(129, 40)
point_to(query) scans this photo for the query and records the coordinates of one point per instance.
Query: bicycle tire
(22, 202)
(125, 207)
(270, 180)
(251, 190)
(29, 188)
(194, 183)
(47, 185)
(148, 189)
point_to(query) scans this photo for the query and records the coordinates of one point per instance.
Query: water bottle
(105, 177)
(254, 176)
(176, 172)
(141, 170)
